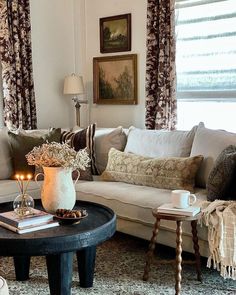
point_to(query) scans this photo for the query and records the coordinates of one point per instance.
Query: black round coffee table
(59, 244)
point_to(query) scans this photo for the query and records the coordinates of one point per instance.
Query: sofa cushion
(21, 144)
(6, 166)
(105, 139)
(209, 143)
(134, 202)
(160, 143)
(166, 173)
(221, 182)
(80, 139)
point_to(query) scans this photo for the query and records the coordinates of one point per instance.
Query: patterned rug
(119, 270)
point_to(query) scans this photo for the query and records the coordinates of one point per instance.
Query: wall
(65, 38)
(53, 46)
(114, 115)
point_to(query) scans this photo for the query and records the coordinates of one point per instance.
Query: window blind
(206, 49)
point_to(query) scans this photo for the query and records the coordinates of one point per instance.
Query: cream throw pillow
(160, 143)
(165, 173)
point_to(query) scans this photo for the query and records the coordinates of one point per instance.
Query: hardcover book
(170, 209)
(35, 218)
(30, 228)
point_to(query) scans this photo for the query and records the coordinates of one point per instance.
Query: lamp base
(77, 108)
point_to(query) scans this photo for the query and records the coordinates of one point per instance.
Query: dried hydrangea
(56, 154)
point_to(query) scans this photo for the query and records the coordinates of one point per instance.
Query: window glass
(206, 47)
(206, 63)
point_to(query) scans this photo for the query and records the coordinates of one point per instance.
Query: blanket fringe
(228, 272)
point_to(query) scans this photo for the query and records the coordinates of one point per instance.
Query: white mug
(182, 199)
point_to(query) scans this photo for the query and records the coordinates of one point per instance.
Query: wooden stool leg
(178, 276)
(196, 249)
(151, 249)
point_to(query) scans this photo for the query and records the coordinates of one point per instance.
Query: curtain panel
(161, 105)
(16, 60)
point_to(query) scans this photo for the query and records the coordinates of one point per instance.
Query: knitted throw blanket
(220, 217)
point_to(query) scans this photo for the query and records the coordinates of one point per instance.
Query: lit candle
(19, 182)
(29, 177)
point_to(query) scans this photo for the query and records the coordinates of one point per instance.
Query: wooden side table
(179, 220)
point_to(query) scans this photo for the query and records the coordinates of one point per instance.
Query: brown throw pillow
(79, 140)
(165, 173)
(21, 144)
(221, 182)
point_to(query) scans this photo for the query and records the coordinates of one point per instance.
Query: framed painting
(115, 79)
(115, 33)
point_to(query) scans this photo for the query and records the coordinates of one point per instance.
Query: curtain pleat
(16, 60)
(161, 102)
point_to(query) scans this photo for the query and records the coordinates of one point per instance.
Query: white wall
(53, 48)
(65, 38)
(114, 115)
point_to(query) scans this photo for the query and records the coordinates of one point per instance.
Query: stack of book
(170, 209)
(36, 221)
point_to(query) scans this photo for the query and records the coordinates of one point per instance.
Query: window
(206, 62)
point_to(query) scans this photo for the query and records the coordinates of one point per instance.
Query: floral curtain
(161, 102)
(16, 61)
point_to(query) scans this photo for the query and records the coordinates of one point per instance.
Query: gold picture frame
(115, 79)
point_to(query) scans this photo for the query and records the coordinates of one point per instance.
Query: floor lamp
(73, 85)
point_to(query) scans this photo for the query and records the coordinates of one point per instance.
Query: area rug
(119, 269)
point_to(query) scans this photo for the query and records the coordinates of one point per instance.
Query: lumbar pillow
(160, 143)
(221, 181)
(209, 143)
(165, 173)
(105, 139)
(81, 139)
(21, 144)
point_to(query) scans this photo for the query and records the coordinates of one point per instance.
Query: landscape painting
(115, 79)
(115, 33)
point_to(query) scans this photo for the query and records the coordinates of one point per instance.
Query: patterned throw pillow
(165, 173)
(79, 140)
(23, 143)
(221, 182)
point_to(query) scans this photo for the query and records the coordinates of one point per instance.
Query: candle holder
(23, 203)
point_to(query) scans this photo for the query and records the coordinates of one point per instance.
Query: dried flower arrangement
(58, 155)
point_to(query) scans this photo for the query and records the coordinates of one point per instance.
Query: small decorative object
(115, 79)
(58, 161)
(23, 203)
(70, 216)
(115, 33)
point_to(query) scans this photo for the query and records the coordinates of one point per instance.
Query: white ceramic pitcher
(58, 189)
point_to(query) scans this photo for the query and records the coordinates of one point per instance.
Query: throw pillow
(21, 144)
(160, 143)
(165, 173)
(221, 181)
(209, 143)
(6, 167)
(106, 138)
(79, 140)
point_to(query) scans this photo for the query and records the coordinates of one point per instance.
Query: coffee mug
(182, 199)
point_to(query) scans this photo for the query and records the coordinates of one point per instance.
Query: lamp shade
(73, 84)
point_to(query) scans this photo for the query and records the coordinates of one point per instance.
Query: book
(37, 217)
(30, 228)
(170, 209)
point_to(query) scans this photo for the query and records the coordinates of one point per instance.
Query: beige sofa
(133, 204)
